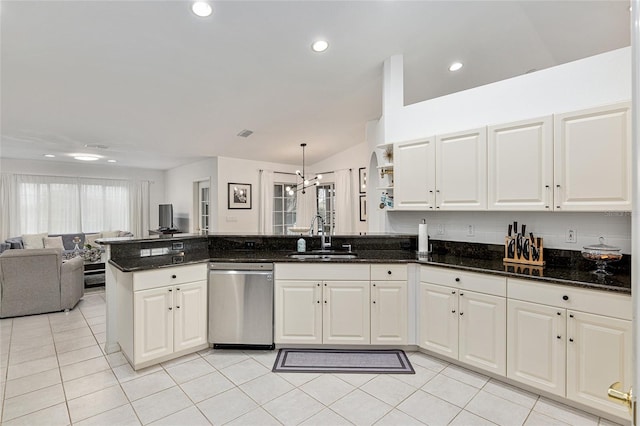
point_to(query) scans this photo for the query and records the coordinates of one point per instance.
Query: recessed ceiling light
(455, 66)
(86, 157)
(111, 161)
(201, 8)
(320, 46)
(50, 156)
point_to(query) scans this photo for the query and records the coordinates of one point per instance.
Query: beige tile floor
(54, 372)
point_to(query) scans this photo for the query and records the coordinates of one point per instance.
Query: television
(165, 218)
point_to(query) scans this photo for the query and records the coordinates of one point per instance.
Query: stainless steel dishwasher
(241, 305)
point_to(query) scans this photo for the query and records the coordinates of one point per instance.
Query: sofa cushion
(33, 241)
(53, 242)
(110, 234)
(90, 239)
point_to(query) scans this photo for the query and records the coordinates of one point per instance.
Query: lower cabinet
(554, 345)
(162, 313)
(349, 311)
(464, 325)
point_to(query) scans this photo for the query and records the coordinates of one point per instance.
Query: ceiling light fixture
(111, 161)
(319, 46)
(201, 8)
(305, 182)
(85, 157)
(455, 66)
(50, 156)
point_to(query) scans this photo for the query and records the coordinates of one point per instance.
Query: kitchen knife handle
(524, 229)
(510, 229)
(515, 227)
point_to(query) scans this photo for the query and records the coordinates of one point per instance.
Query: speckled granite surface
(563, 266)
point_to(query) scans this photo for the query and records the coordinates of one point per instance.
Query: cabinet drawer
(481, 283)
(388, 272)
(315, 271)
(144, 280)
(579, 299)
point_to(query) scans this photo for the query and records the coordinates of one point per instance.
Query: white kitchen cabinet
(461, 170)
(346, 316)
(389, 310)
(520, 165)
(298, 311)
(536, 348)
(469, 326)
(319, 303)
(415, 174)
(162, 313)
(570, 341)
(598, 354)
(592, 159)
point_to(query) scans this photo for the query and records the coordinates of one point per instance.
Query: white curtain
(265, 212)
(8, 206)
(344, 202)
(139, 208)
(307, 206)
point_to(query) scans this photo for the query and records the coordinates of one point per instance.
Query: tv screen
(165, 220)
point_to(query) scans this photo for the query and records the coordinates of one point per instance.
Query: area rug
(383, 361)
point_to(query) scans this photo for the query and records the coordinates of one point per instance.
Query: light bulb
(317, 183)
(201, 8)
(290, 192)
(306, 182)
(288, 189)
(298, 172)
(319, 177)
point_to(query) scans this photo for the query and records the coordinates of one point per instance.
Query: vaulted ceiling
(159, 87)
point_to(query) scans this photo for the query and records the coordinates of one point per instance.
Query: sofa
(68, 245)
(38, 281)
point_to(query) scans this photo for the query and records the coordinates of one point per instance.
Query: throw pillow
(124, 234)
(53, 242)
(90, 239)
(109, 234)
(33, 241)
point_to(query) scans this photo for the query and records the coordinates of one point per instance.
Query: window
(203, 205)
(326, 195)
(60, 205)
(284, 208)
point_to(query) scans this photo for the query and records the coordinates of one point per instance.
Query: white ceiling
(161, 87)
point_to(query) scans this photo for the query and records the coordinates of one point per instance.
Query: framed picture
(239, 195)
(363, 180)
(363, 208)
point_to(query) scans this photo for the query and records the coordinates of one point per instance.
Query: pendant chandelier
(305, 182)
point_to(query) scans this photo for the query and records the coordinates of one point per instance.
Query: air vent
(95, 145)
(245, 133)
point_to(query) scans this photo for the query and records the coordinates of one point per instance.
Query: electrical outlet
(250, 245)
(440, 229)
(471, 230)
(571, 236)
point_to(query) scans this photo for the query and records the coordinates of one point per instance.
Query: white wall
(179, 189)
(57, 168)
(353, 158)
(597, 80)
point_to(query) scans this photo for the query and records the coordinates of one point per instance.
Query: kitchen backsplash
(490, 227)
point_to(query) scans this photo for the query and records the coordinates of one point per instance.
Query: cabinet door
(520, 165)
(461, 170)
(598, 355)
(346, 314)
(152, 324)
(190, 315)
(414, 174)
(389, 312)
(593, 159)
(438, 326)
(536, 349)
(298, 314)
(483, 331)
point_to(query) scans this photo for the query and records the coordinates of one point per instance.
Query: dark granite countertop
(620, 282)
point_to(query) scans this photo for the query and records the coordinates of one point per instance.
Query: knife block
(518, 255)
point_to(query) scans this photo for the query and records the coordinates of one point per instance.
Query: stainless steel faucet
(325, 242)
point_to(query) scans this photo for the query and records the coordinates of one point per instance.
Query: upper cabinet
(446, 172)
(577, 161)
(520, 165)
(461, 170)
(592, 150)
(415, 174)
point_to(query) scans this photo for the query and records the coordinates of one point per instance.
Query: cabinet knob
(558, 313)
(325, 301)
(318, 284)
(170, 308)
(570, 315)
(318, 301)
(453, 311)
(178, 289)
(570, 339)
(453, 292)
(389, 272)
(178, 307)
(174, 276)
(374, 302)
(461, 313)
(461, 294)
(457, 279)
(559, 337)
(565, 297)
(325, 284)
(431, 207)
(170, 290)
(437, 207)
(374, 284)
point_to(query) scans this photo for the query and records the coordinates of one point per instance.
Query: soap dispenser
(302, 245)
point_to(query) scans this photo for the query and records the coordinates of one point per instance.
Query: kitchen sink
(324, 255)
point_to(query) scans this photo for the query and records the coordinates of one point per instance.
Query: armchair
(37, 281)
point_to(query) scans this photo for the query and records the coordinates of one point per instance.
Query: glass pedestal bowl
(602, 254)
